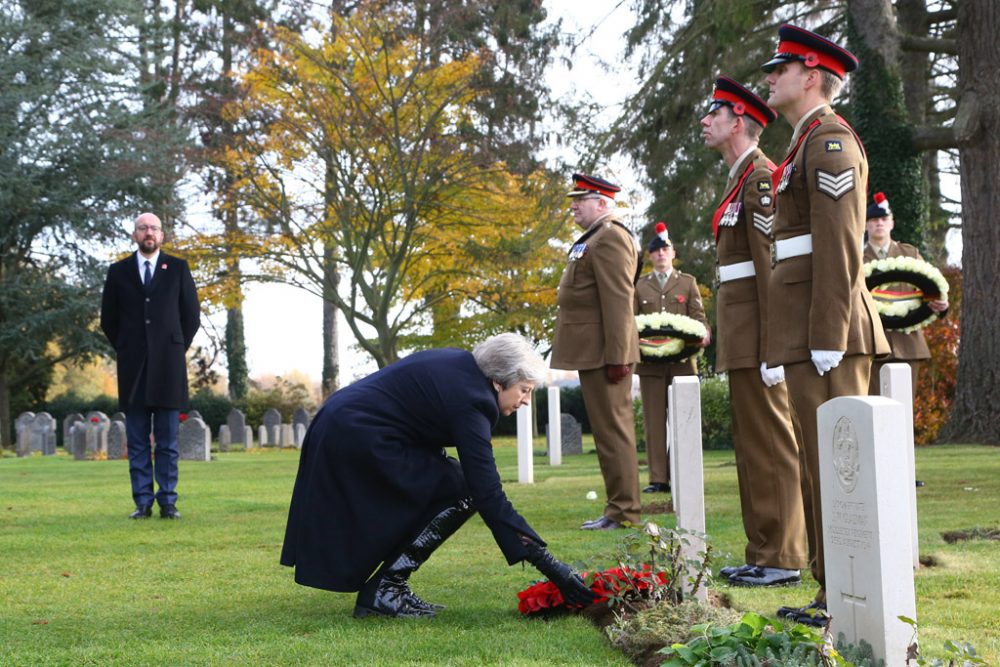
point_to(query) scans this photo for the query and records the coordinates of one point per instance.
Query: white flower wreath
(672, 331)
(905, 311)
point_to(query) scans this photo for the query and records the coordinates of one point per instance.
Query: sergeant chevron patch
(763, 223)
(835, 185)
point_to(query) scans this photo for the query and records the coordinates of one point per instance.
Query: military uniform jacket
(594, 324)
(679, 295)
(819, 301)
(151, 328)
(741, 308)
(905, 346)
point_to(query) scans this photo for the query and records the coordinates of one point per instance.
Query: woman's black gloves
(569, 583)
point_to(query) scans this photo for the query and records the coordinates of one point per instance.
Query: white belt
(736, 271)
(793, 247)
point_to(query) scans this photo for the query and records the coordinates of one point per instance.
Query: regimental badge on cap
(763, 186)
(799, 45)
(741, 101)
(661, 238)
(834, 146)
(590, 185)
(879, 208)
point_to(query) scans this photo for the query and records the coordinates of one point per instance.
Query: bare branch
(929, 44)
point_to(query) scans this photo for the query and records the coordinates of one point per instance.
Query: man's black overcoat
(372, 471)
(153, 328)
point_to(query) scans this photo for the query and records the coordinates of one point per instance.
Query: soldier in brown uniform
(907, 347)
(663, 290)
(767, 452)
(597, 336)
(821, 321)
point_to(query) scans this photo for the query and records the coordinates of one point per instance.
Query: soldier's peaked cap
(812, 50)
(741, 101)
(589, 185)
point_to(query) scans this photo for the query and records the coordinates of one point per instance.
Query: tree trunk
(915, 70)
(331, 357)
(879, 114)
(975, 415)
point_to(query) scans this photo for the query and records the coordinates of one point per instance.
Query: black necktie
(147, 276)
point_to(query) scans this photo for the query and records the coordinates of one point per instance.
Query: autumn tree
(367, 159)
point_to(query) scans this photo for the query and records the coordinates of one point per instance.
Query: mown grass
(81, 585)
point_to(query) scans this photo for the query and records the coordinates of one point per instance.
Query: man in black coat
(150, 314)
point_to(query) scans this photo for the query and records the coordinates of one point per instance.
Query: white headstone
(262, 436)
(287, 435)
(895, 382)
(687, 474)
(555, 428)
(525, 463)
(866, 527)
(300, 435)
(248, 437)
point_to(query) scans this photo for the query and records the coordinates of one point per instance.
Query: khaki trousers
(807, 390)
(767, 467)
(609, 408)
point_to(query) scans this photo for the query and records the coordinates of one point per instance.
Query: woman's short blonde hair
(509, 358)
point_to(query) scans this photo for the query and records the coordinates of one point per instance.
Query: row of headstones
(97, 436)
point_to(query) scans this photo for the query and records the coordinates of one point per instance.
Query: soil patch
(661, 507)
(977, 533)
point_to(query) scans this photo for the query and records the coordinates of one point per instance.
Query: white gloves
(772, 376)
(826, 360)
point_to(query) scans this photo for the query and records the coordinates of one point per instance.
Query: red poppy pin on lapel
(163, 266)
(680, 298)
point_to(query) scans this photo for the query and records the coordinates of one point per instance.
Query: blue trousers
(144, 464)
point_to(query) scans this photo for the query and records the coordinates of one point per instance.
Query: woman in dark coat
(375, 487)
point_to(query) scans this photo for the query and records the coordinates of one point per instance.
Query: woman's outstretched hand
(569, 583)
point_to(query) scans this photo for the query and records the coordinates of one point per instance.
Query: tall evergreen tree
(75, 159)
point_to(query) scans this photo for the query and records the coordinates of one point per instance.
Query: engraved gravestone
(194, 440)
(224, 440)
(22, 429)
(272, 421)
(43, 434)
(262, 435)
(68, 422)
(237, 423)
(300, 435)
(301, 416)
(117, 445)
(866, 523)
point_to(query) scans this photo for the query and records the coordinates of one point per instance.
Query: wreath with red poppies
(543, 597)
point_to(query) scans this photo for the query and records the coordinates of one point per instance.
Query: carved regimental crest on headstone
(846, 459)
(866, 523)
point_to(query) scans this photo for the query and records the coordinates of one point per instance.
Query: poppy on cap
(589, 185)
(741, 101)
(799, 45)
(661, 239)
(880, 207)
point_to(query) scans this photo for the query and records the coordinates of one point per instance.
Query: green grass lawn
(82, 585)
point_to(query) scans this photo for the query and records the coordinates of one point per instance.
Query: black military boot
(388, 592)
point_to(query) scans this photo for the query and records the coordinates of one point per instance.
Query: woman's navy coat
(373, 472)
